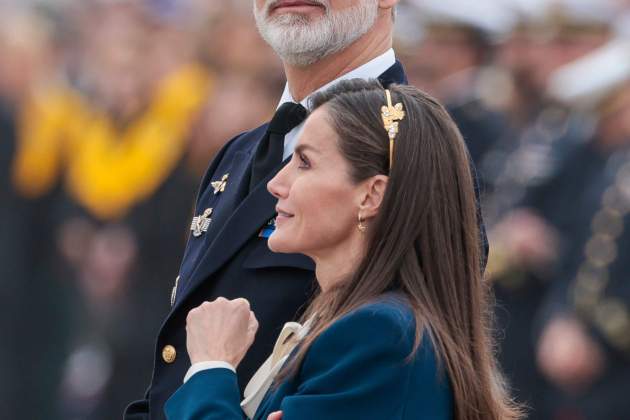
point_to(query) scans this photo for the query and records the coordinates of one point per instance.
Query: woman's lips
(282, 216)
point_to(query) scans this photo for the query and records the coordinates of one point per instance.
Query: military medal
(201, 223)
(219, 186)
(268, 229)
(174, 291)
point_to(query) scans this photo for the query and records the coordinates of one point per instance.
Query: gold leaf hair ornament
(391, 115)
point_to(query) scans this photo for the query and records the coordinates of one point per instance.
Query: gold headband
(391, 115)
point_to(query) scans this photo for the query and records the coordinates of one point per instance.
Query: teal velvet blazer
(357, 369)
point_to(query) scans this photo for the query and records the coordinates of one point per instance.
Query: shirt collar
(370, 70)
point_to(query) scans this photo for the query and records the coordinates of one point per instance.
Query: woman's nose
(277, 186)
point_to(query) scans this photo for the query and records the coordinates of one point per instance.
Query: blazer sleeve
(359, 369)
(212, 394)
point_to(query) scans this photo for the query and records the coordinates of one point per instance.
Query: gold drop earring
(362, 228)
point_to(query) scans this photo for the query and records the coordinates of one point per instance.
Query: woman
(379, 193)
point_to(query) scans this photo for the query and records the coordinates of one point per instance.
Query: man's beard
(300, 40)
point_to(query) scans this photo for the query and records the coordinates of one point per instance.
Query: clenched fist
(222, 330)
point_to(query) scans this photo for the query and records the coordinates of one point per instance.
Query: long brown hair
(424, 242)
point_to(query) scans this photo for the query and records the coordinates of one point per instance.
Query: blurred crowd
(110, 111)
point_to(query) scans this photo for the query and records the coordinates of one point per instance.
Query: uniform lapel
(236, 163)
(238, 192)
(252, 213)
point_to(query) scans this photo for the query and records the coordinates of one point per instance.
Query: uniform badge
(174, 291)
(219, 186)
(268, 229)
(201, 223)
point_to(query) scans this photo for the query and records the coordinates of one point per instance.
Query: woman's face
(318, 203)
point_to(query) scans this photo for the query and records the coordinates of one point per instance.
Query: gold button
(169, 354)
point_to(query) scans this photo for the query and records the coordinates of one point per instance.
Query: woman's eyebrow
(302, 147)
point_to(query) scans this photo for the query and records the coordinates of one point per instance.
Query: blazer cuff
(211, 364)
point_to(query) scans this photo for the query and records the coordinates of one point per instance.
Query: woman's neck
(338, 264)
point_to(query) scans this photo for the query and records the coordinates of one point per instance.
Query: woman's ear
(373, 194)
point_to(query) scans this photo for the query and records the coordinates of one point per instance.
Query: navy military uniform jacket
(232, 260)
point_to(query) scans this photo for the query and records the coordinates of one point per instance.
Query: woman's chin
(277, 243)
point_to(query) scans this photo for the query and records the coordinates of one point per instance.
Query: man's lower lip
(298, 8)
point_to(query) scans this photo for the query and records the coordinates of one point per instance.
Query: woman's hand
(222, 330)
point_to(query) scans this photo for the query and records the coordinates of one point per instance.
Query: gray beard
(300, 41)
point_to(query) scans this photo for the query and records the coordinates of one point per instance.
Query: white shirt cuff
(212, 364)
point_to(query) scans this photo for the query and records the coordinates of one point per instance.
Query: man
(460, 38)
(584, 336)
(27, 282)
(320, 42)
(546, 36)
(545, 133)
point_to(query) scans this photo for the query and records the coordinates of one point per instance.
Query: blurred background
(110, 111)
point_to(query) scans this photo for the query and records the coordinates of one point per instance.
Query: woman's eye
(303, 162)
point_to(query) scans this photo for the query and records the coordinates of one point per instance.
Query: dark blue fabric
(357, 369)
